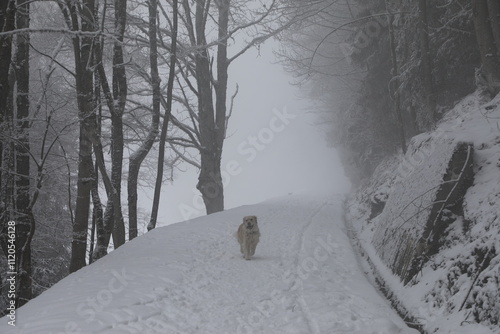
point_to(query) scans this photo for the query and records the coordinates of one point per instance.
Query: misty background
(297, 159)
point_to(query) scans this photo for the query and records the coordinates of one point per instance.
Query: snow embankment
(458, 289)
(190, 278)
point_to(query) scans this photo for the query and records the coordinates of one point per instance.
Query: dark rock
(410, 228)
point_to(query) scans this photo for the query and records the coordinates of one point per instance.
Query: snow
(436, 295)
(410, 202)
(190, 278)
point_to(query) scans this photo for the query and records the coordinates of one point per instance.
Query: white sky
(267, 156)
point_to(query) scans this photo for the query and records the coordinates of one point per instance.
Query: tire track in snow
(298, 298)
(177, 311)
(191, 279)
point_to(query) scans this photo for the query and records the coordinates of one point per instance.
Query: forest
(99, 98)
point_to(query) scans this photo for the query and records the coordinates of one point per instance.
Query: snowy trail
(190, 278)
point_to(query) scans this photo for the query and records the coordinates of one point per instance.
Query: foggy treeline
(98, 98)
(385, 71)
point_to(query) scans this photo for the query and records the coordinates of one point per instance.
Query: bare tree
(113, 222)
(137, 157)
(205, 74)
(79, 16)
(120, 88)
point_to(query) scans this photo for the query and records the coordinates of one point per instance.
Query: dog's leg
(252, 250)
(247, 251)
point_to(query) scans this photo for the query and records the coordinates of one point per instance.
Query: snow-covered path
(190, 278)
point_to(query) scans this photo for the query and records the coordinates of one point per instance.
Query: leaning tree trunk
(487, 48)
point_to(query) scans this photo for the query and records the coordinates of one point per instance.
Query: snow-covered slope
(190, 278)
(458, 289)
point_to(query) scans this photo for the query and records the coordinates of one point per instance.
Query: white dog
(248, 236)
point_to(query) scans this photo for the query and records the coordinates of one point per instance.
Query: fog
(275, 145)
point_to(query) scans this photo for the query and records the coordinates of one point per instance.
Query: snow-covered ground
(458, 290)
(190, 278)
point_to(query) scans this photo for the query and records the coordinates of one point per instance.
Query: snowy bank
(456, 288)
(191, 278)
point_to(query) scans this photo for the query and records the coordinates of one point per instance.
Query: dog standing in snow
(248, 236)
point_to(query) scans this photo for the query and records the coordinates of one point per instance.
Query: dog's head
(250, 222)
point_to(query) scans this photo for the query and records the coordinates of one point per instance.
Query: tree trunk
(105, 233)
(211, 83)
(425, 61)
(210, 182)
(138, 156)
(84, 185)
(487, 48)
(211, 136)
(25, 225)
(97, 230)
(84, 89)
(133, 175)
(7, 23)
(7, 189)
(395, 74)
(113, 218)
(113, 222)
(97, 218)
(120, 97)
(8, 165)
(168, 110)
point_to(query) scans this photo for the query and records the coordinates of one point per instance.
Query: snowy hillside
(190, 278)
(458, 289)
